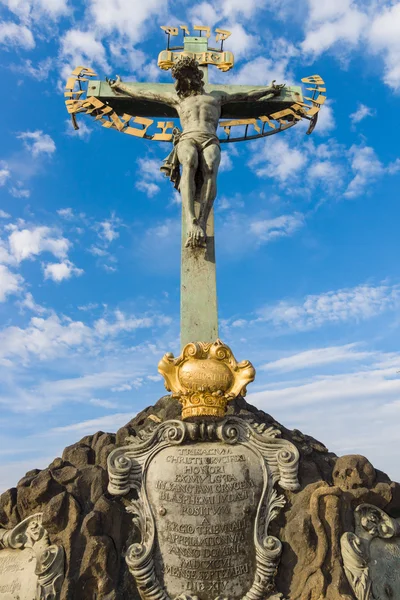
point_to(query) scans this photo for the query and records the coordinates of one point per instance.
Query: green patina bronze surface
(122, 103)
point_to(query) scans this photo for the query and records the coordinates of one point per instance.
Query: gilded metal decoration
(203, 497)
(80, 100)
(30, 536)
(205, 377)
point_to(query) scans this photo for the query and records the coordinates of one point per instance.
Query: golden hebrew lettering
(185, 29)
(109, 119)
(227, 125)
(201, 28)
(265, 119)
(316, 89)
(139, 132)
(222, 35)
(287, 112)
(313, 79)
(170, 30)
(319, 100)
(164, 136)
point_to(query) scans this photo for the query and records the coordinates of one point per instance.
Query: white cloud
(361, 113)
(19, 192)
(204, 13)
(150, 172)
(66, 213)
(83, 132)
(10, 283)
(261, 71)
(384, 38)
(148, 187)
(37, 10)
(39, 71)
(4, 215)
(5, 174)
(325, 172)
(366, 167)
(122, 322)
(326, 120)
(317, 357)
(29, 303)
(277, 159)
(125, 18)
(60, 271)
(15, 35)
(109, 423)
(27, 243)
(238, 8)
(240, 43)
(44, 338)
(226, 161)
(355, 304)
(80, 47)
(108, 229)
(49, 337)
(283, 226)
(330, 23)
(38, 142)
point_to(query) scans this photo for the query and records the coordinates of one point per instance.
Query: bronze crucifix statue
(196, 147)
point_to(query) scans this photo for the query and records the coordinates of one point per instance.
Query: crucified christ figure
(196, 147)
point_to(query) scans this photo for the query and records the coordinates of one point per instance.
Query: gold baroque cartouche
(205, 377)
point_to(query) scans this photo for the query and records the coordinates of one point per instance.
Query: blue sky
(307, 227)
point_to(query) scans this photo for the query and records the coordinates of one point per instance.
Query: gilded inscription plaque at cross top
(202, 490)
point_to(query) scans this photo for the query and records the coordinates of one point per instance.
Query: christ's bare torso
(197, 146)
(199, 113)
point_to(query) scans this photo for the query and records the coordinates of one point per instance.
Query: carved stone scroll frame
(127, 467)
(370, 523)
(31, 534)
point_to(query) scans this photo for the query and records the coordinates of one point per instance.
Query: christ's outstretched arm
(265, 93)
(144, 93)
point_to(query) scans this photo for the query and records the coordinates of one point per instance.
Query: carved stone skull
(353, 471)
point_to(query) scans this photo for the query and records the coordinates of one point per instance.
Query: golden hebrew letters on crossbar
(77, 103)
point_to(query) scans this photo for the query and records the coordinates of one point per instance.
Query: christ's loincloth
(171, 165)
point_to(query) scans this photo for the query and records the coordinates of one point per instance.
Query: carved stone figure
(371, 555)
(30, 536)
(196, 147)
(331, 508)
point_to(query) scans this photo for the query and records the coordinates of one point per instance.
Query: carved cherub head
(353, 471)
(189, 77)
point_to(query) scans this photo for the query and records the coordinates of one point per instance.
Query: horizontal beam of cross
(122, 103)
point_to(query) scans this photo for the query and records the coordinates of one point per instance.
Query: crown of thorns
(186, 67)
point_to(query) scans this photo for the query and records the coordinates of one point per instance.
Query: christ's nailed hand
(113, 83)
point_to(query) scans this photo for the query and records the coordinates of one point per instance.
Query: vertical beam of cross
(199, 311)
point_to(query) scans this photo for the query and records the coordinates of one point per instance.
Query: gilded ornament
(205, 377)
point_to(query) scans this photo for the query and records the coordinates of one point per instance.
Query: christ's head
(189, 77)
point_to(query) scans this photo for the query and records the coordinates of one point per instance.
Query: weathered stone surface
(17, 575)
(95, 529)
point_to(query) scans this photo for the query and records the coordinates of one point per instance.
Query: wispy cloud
(317, 357)
(361, 113)
(358, 303)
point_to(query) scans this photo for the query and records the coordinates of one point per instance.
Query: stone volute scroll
(203, 495)
(31, 568)
(371, 555)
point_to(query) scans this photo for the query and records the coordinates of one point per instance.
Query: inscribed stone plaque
(205, 500)
(17, 575)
